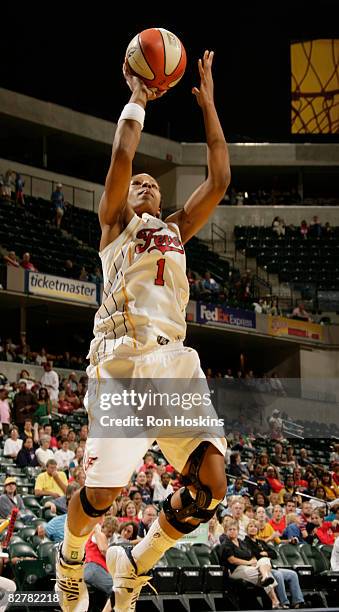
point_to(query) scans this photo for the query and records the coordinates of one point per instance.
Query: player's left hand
(204, 95)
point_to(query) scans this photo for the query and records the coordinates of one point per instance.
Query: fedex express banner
(236, 317)
(69, 289)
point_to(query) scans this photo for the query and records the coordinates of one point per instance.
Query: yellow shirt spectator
(51, 482)
(266, 532)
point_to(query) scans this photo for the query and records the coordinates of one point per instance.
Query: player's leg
(109, 464)
(85, 509)
(182, 511)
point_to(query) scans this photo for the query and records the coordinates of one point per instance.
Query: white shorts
(110, 462)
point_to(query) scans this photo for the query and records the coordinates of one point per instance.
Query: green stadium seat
(27, 533)
(30, 575)
(21, 549)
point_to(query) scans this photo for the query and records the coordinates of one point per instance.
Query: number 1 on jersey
(159, 279)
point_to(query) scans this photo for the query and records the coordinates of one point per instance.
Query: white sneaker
(126, 583)
(70, 585)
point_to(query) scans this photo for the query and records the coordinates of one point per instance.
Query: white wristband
(133, 111)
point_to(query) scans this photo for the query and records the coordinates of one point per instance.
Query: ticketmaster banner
(68, 289)
(236, 317)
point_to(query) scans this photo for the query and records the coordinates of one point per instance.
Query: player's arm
(113, 213)
(207, 196)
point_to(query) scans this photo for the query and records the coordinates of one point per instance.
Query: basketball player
(139, 329)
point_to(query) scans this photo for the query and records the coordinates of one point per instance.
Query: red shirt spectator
(27, 264)
(273, 481)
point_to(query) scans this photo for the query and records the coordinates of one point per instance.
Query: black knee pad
(190, 509)
(87, 506)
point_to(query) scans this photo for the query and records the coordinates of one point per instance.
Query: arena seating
(293, 258)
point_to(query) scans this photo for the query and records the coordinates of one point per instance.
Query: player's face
(144, 195)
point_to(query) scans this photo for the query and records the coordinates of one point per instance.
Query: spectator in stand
(237, 488)
(7, 353)
(83, 433)
(69, 272)
(299, 481)
(304, 229)
(96, 277)
(24, 404)
(289, 487)
(303, 460)
(26, 456)
(53, 444)
(64, 406)
(30, 432)
(71, 397)
(50, 380)
(193, 284)
(276, 425)
(12, 260)
(331, 489)
(162, 489)
(300, 313)
(72, 439)
(5, 411)
(41, 357)
(64, 456)
(273, 479)
(73, 381)
(293, 531)
(148, 517)
(141, 486)
(55, 528)
(128, 532)
(237, 508)
(214, 531)
(51, 482)
(149, 463)
(58, 203)
(139, 504)
(278, 520)
(236, 468)
(24, 376)
(96, 573)
(278, 226)
(10, 499)
(44, 453)
(276, 385)
(44, 409)
(315, 227)
(128, 511)
(77, 460)
(324, 529)
(26, 263)
(19, 189)
(83, 274)
(306, 513)
(209, 284)
(265, 529)
(13, 444)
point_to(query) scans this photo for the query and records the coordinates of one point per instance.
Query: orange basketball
(157, 57)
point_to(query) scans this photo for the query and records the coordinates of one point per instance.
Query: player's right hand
(134, 83)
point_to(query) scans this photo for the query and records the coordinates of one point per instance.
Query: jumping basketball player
(139, 329)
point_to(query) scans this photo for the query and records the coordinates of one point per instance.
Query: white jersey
(145, 290)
